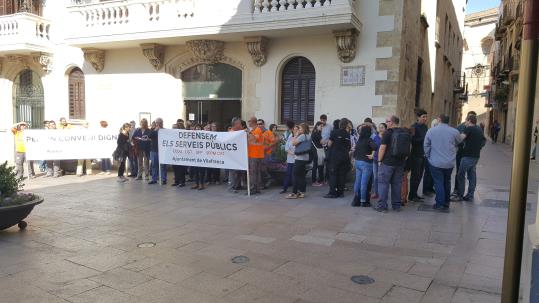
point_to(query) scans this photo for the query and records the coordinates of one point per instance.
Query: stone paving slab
(82, 245)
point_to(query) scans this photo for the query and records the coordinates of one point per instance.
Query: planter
(15, 214)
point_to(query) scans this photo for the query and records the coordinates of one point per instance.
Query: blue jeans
(390, 175)
(289, 178)
(363, 174)
(442, 184)
(375, 177)
(133, 165)
(467, 167)
(154, 158)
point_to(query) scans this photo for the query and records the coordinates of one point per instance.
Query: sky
(480, 5)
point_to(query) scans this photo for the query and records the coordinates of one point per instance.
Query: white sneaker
(121, 179)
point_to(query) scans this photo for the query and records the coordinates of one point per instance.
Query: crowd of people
(390, 161)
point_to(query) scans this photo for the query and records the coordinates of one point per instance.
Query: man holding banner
(198, 148)
(20, 150)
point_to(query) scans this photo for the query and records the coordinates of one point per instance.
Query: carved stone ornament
(256, 46)
(176, 68)
(155, 53)
(346, 44)
(207, 51)
(96, 57)
(44, 60)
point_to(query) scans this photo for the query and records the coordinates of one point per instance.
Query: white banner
(203, 148)
(64, 144)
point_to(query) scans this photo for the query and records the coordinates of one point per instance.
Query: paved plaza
(92, 241)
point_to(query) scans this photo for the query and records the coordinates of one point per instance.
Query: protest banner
(66, 144)
(226, 150)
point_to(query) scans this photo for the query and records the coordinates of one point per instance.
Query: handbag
(303, 148)
(321, 155)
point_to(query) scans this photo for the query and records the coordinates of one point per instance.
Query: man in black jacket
(417, 156)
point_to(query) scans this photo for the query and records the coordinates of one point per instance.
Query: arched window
(77, 101)
(298, 82)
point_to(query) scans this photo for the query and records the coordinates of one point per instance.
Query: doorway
(29, 101)
(220, 111)
(212, 93)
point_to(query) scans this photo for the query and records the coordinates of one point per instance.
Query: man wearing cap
(20, 150)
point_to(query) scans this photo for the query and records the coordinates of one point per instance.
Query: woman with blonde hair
(302, 143)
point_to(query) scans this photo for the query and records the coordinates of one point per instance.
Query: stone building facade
(278, 60)
(479, 47)
(505, 66)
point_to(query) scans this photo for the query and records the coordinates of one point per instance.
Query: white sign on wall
(64, 144)
(202, 148)
(353, 75)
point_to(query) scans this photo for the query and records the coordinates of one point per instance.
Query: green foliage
(279, 153)
(9, 183)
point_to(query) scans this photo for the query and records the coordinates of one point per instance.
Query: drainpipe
(521, 157)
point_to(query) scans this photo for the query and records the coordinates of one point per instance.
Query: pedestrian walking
(496, 127)
(441, 150)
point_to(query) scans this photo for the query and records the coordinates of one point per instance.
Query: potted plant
(15, 205)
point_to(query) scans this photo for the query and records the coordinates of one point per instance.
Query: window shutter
(298, 91)
(77, 102)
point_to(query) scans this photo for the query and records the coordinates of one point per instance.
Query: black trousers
(428, 183)
(214, 174)
(121, 168)
(459, 156)
(199, 174)
(179, 174)
(300, 185)
(338, 168)
(417, 164)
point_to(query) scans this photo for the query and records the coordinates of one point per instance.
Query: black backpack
(401, 141)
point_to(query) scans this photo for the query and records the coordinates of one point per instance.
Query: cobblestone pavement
(82, 245)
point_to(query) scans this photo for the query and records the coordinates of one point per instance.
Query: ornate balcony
(131, 22)
(24, 33)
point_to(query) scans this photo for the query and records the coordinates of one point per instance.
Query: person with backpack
(303, 146)
(394, 150)
(440, 147)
